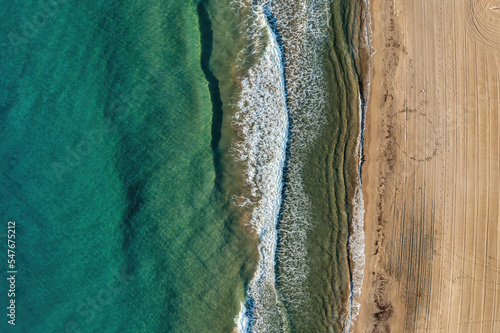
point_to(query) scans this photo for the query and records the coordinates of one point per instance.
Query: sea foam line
(356, 247)
(357, 238)
(263, 122)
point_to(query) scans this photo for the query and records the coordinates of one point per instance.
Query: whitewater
(264, 124)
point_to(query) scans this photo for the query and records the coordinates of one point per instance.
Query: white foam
(357, 238)
(242, 321)
(262, 124)
(357, 256)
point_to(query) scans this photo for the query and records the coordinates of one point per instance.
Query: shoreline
(374, 307)
(356, 247)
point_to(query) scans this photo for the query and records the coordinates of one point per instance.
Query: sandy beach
(432, 170)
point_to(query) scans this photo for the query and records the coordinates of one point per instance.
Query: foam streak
(357, 237)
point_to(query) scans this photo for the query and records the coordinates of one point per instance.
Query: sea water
(182, 166)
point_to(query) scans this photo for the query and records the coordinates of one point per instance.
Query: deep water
(109, 135)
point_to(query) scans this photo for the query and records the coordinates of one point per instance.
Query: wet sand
(432, 170)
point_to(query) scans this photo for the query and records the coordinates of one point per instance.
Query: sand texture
(432, 170)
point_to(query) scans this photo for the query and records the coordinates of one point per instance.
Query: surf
(263, 121)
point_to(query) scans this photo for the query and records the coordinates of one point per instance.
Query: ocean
(183, 166)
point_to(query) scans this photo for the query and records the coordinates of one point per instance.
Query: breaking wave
(262, 124)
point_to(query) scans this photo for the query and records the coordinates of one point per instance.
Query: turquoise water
(107, 168)
(168, 162)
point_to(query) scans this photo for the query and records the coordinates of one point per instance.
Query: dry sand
(432, 170)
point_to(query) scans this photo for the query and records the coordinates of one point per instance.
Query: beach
(432, 169)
